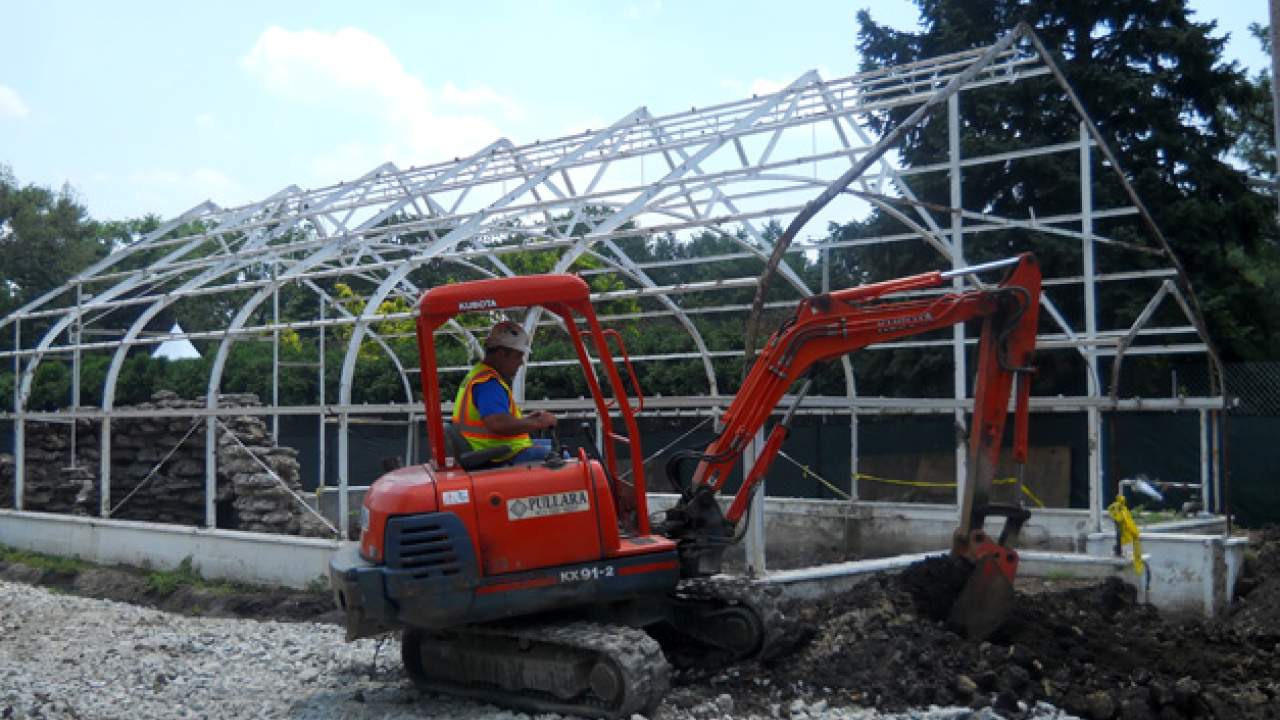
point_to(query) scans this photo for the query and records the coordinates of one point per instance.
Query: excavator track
(580, 668)
(735, 615)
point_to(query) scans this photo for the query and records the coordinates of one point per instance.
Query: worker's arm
(492, 401)
(506, 424)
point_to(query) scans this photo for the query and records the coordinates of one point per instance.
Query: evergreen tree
(1155, 83)
(1252, 125)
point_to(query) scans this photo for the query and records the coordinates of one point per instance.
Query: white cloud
(355, 71)
(205, 121)
(480, 97)
(11, 104)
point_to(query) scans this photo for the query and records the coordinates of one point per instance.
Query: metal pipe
(980, 267)
(959, 370)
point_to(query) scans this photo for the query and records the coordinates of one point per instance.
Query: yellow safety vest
(466, 416)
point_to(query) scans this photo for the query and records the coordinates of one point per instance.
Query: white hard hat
(508, 334)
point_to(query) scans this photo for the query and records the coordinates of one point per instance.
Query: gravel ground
(63, 656)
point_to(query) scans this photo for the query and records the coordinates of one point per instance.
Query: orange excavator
(543, 585)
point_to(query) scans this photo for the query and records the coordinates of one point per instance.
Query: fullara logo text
(544, 505)
(892, 324)
(484, 304)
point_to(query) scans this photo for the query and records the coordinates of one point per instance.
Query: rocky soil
(1092, 651)
(1086, 652)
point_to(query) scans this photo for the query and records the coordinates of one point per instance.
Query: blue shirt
(490, 398)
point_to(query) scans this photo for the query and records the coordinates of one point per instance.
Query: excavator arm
(826, 327)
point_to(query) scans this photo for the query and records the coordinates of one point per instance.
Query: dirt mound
(1257, 605)
(1092, 651)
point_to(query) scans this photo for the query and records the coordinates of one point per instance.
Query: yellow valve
(1128, 529)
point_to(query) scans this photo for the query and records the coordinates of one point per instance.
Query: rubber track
(645, 671)
(760, 598)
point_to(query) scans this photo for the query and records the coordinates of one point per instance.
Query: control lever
(592, 450)
(556, 457)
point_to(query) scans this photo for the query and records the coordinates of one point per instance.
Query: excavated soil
(1091, 650)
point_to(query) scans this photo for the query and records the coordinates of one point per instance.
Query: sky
(155, 107)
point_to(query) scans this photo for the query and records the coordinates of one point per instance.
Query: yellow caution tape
(1025, 490)
(909, 483)
(808, 472)
(1128, 529)
(924, 484)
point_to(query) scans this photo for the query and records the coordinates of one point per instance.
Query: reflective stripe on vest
(466, 416)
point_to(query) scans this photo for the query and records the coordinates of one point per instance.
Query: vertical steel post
(19, 429)
(960, 377)
(275, 354)
(853, 456)
(210, 470)
(1093, 381)
(104, 468)
(320, 461)
(1204, 462)
(755, 513)
(1215, 443)
(76, 334)
(410, 428)
(343, 450)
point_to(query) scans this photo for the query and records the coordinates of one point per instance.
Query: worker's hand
(542, 419)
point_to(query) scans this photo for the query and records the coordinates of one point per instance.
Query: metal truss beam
(736, 170)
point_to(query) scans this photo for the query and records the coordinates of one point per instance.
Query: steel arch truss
(738, 169)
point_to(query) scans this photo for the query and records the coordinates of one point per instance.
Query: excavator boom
(828, 326)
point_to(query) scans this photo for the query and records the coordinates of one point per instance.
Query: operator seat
(460, 450)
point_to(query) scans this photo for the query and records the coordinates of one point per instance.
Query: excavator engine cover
(987, 597)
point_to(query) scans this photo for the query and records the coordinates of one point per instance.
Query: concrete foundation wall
(807, 540)
(258, 558)
(1191, 575)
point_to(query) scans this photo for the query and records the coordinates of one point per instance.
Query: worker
(485, 411)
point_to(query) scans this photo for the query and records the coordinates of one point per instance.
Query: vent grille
(423, 545)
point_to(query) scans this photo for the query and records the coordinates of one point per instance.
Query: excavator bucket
(987, 597)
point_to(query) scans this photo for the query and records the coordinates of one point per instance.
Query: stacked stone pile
(151, 460)
(6, 481)
(261, 500)
(158, 464)
(58, 478)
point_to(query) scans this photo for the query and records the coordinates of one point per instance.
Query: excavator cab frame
(569, 298)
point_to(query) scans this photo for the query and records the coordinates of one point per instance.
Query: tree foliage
(1252, 125)
(45, 238)
(1156, 84)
